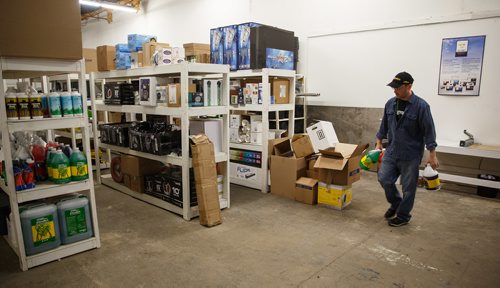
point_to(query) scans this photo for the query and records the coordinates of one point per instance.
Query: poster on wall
(461, 65)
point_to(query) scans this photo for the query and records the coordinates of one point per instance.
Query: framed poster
(461, 65)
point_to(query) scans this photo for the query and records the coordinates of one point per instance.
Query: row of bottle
(21, 106)
(46, 226)
(63, 169)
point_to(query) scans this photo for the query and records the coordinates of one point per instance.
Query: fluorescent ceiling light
(108, 5)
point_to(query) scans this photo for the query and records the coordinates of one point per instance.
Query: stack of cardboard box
(197, 52)
(205, 174)
(324, 178)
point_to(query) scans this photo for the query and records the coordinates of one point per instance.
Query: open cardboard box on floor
(285, 168)
(340, 165)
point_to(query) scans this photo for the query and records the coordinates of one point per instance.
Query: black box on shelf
(115, 133)
(119, 94)
(169, 189)
(263, 37)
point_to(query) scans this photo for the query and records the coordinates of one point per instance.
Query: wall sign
(461, 65)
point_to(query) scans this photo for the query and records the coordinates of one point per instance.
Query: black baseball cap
(400, 79)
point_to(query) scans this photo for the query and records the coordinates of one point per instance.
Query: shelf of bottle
(47, 189)
(46, 124)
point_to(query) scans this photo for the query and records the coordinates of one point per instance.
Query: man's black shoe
(396, 222)
(390, 213)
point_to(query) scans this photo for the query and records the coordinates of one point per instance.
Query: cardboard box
(136, 166)
(234, 121)
(149, 49)
(106, 58)
(301, 145)
(334, 196)
(90, 56)
(41, 29)
(340, 165)
(210, 127)
(114, 117)
(174, 95)
(311, 171)
(280, 89)
(247, 173)
(193, 49)
(205, 174)
(285, 168)
(134, 183)
(306, 191)
(322, 135)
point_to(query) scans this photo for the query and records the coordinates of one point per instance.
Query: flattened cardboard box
(306, 191)
(205, 173)
(340, 165)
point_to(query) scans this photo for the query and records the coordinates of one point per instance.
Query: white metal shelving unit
(184, 72)
(17, 68)
(265, 75)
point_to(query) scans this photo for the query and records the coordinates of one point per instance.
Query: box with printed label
(178, 55)
(256, 123)
(306, 191)
(216, 46)
(256, 138)
(230, 41)
(149, 49)
(280, 89)
(90, 56)
(135, 41)
(334, 196)
(212, 89)
(234, 121)
(246, 173)
(244, 44)
(234, 135)
(174, 95)
(322, 135)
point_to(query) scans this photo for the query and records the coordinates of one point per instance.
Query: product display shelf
(184, 72)
(17, 68)
(265, 75)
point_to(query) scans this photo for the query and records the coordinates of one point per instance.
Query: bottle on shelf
(76, 98)
(66, 104)
(79, 169)
(55, 105)
(61, 171)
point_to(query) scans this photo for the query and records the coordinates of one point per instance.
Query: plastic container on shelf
(67, 150)
(74, 219)
(66, 104)
(40, 226)
(76, 99)
(44, 99)
(36, 111)
(48, 162)
(79, 168)
(61, 171)
(55, 105)
(11, 106)
(23, 104)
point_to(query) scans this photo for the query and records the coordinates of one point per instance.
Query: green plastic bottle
(79, 168)
(61, 171)
(50, 154)
(369, 159)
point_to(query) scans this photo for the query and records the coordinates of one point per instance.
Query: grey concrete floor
(453, 240)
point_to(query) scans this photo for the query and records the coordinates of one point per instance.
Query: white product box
(322, 135)
(164, 57)
(212, 89)
(234, 121)
(178, 55)
(210, 127)
(256, 123)
(256, 138)
(161, 95)
(234, 135)
(253, 93)
(134, 60)
(245, 172)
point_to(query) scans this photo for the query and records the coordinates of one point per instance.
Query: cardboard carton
(340, 165)
(134, 183)
(334, 196)
(41, 29)
(136, 166)
(174, 95)
(149, 49)
(302, 146)
(90, 56)
(322, 135)
(285, 168)
(306, 191)
(205, 174)
(106, 58)
(280, 90)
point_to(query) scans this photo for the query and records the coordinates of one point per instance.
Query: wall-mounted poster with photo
(461, 65)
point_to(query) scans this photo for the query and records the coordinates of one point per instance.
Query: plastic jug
(61, 171)
(369, 159)
(74, 219)
(431, 178)
(79, 168)
(40, 226)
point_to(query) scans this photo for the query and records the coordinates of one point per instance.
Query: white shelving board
(20, 68)
(265, 75)
(184, 72)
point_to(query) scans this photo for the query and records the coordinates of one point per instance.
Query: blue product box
(121, 48)
(279, 59)
(244, 44)
(216, 46)
(123, 60)
(135, 41)
(230, 40)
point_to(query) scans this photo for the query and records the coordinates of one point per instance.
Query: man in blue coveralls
(408, 126)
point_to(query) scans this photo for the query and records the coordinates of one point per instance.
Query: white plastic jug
(431, 178)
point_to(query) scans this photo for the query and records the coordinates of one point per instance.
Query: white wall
(348, 68)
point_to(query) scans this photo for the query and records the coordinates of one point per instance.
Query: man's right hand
(378, 145)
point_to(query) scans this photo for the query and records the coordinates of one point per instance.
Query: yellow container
(334, 196)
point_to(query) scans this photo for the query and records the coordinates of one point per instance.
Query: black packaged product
(263, 37)
(119, 94)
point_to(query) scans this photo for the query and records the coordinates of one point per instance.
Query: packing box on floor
(306, 190)
(205, 174)
(106, 58)
(334, 196)
(285, 168)
(311, 171)
(340, 165)
(135, 168)
(41, 29)
(322, 135)
(302, 146)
